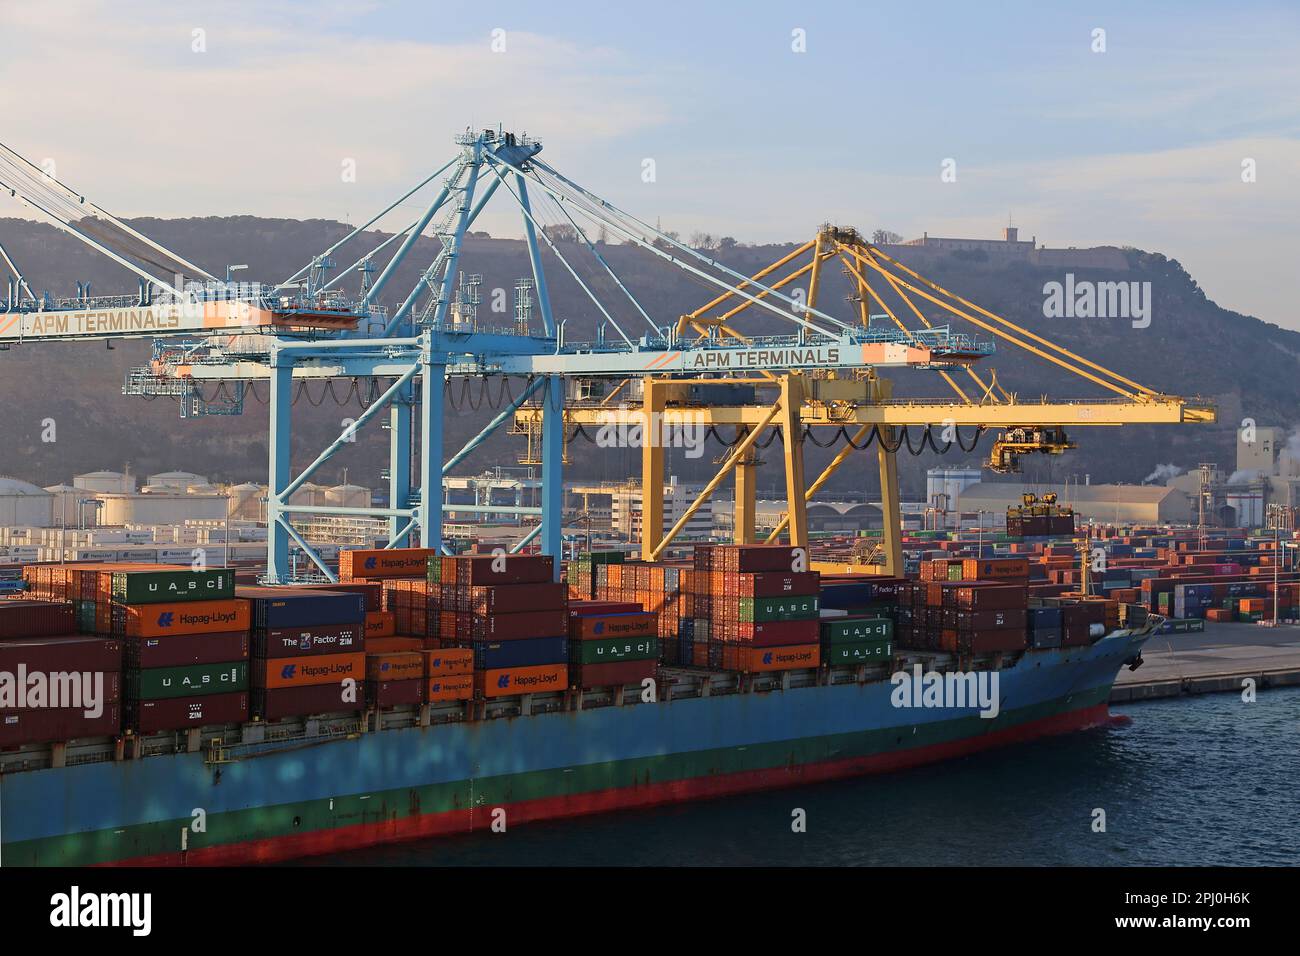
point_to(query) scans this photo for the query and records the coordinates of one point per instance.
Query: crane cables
(91, 224)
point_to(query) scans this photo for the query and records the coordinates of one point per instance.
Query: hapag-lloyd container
(361, 563)
(300, 642)
(449, 687)
(157, 683)
(161, 587)
(275, 673)
(521, 680)
(395, 666)
(448, 662)
(758, 659)
(588, 627)
(195, 617)
(154, 716)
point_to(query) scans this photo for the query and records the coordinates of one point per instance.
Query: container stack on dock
(308, 651)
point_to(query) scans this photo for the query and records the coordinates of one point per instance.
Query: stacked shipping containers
(308, 651)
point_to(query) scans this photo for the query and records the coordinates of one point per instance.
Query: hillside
(1192, 347)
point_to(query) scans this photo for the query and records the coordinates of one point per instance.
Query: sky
(762, 119)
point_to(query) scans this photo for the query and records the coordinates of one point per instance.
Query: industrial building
(1147, 504)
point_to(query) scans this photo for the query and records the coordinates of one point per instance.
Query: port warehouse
(422, 636)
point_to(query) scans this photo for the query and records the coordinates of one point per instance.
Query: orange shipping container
(403, 665)
(507, 681)
(308, 671)
(595, 626)
(450, 687)
(793, 657)
(380, 624)
(360, 564)
(448, 662)
(186, 617)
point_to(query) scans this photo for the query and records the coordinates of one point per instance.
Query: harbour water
(1205, 780)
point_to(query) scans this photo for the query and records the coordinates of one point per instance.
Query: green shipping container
(858, 652)
(85, 616)
(611, 650)
(197, 680)
(785, 608)
(850, 630)
(600, 557)
(162, 587)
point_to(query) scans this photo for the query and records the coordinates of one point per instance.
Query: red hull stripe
(341, 839)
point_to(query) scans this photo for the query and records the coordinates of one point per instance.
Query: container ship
(424, 695)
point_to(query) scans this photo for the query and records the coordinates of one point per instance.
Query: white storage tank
(22, 503)
(109, 482)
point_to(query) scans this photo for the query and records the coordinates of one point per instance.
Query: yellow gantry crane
(860, 404)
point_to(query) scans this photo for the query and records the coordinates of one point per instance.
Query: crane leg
(890, 508)
(792, 426)
(746, 475)
(652, 470)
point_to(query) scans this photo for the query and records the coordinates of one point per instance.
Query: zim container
(613, 674)
(197, 617)
(165, 587)
(449, 687)
(302, 701)
(527, 652)
(185, 649)
(157, 683)
(154, 716)
(300, 642)
(52, 724)
(614, 649)
(508, 681)
(273, 674)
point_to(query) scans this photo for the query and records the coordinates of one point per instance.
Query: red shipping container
(778, 633)
(516, 598)
(302, 701)
(509, 627)
(469, 571)
(991, 597)
(36, 619)
(65, 653)
(776, 584)
(395, 693)
(50, 725)
(181, 713)
(185, 649)
(298, 642)
(612, 674)
(586, 608)
(988, 642)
